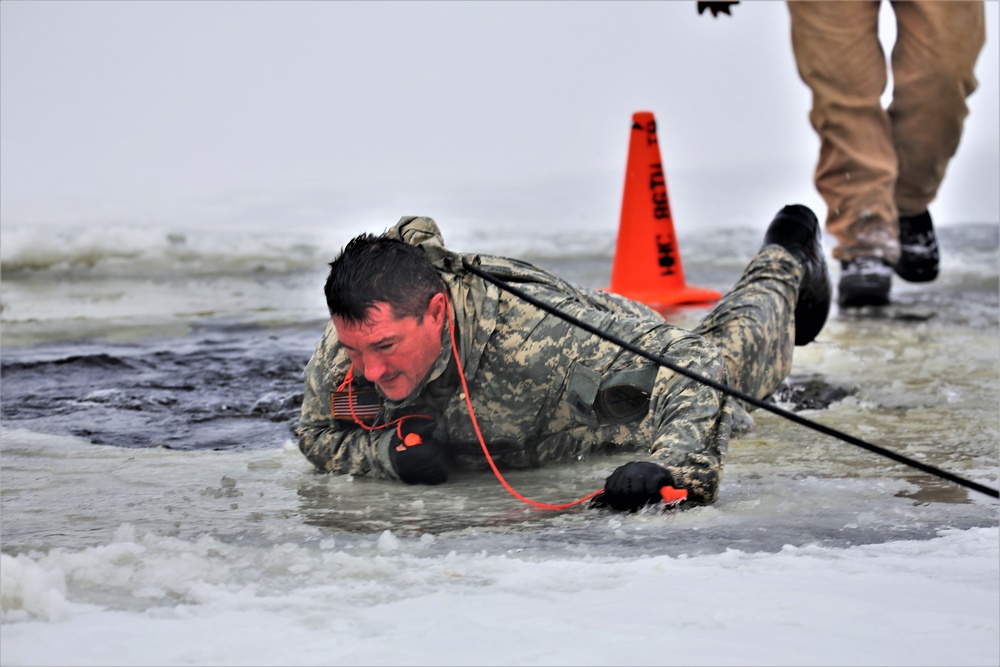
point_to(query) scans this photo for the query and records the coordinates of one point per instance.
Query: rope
(791, 416)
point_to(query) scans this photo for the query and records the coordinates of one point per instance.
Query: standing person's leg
(781, 300)
(840, 58)
(933, 63)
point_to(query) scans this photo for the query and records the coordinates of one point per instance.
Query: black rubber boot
(796, 229)
(864, 281)
(918, 248)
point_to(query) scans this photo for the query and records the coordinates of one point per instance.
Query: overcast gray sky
(98, 99)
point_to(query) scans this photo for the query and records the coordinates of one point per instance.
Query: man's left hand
(633, 486)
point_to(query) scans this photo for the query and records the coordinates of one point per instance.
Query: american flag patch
(366, 405)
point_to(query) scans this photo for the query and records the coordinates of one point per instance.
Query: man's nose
(373, 366)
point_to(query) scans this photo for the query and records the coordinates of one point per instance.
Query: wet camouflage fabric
(535, 379)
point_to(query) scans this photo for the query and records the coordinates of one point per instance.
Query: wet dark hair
(374, 269)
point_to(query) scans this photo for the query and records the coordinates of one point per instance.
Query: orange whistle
(672, 496)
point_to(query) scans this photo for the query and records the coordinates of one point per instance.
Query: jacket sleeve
(692, 421)
(334, 445)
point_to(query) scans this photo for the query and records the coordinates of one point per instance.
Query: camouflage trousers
(754, 324)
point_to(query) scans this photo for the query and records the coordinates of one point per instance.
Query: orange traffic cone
(647, 265)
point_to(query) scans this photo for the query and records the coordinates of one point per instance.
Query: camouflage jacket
(543, 390)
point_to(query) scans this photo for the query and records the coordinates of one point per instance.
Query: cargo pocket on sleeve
(624, 395)
(606, 400)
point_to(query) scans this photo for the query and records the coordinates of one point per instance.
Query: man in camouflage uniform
(384, 398)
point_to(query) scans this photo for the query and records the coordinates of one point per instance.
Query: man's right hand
(633, 486)
(417, 457)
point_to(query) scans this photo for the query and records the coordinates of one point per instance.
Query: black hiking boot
(919, 256)
(797, 230)
(864, 281)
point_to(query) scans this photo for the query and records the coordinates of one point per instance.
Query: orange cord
(349, 382)
(482, 442)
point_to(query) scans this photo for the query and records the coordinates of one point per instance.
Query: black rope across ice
(736, 393)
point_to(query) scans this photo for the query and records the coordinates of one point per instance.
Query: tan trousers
(876, 164)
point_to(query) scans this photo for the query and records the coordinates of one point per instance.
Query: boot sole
(856, 298)
(912, 275)
(869, 292)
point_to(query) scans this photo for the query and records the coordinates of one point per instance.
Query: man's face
(394, 353)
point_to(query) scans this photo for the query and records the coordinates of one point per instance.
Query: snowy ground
(899, 603)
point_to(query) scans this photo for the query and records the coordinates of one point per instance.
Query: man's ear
(437, 309)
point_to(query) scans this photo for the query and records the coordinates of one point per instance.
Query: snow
(205, 602)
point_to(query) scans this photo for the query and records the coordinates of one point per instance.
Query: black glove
(417, 457)
(717, 7)
(633, 485)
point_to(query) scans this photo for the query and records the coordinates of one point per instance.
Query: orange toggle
(647, 265)
(671, 495)
(412, 440)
